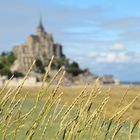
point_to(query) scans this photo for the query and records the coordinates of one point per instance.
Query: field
(116, 95)
(69, 113)
(119, 97)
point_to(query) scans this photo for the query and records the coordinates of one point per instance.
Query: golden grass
(69, 113)
(116, 95)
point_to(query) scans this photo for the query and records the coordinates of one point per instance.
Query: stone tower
(38, 46)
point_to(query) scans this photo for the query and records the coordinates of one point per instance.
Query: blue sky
(101, 35)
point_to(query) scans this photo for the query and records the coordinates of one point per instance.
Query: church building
(40, 46)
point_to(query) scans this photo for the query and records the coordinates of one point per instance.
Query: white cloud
(112, 58)
(116, 57)
(93, 54)
(122, 57)
(115, 54)
(118, 47)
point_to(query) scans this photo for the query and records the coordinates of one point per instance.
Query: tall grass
(53, 120)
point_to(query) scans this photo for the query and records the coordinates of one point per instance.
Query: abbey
(40, 46)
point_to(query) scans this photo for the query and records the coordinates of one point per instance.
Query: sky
(101, 35)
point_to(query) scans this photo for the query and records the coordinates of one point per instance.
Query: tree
(18, 74)
(6, 60)
(6, 72)
(74, 69)
(74, 65)
(39, 66)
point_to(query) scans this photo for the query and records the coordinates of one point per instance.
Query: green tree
(74, 69)
(18, 74)
(6, 60)
(39, 66)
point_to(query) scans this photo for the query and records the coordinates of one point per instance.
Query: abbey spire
(40, 28)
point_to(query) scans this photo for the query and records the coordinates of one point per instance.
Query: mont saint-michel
(39, 46)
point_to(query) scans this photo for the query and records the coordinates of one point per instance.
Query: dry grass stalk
(77, 121)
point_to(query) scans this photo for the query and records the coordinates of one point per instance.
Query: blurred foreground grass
(69, 113)
(70, 93)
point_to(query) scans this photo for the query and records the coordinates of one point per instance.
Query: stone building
(39, 46)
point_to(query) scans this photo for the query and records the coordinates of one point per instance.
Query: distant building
(39, 46)
(108, 79)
